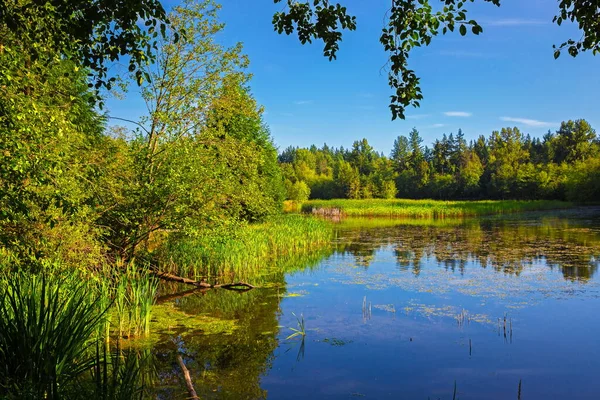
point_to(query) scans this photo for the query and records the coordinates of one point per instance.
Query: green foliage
(91, 34)
(583, 181)
(411, 24)
(319, 21)
(203, 155)
(298, 191)
(51, 149)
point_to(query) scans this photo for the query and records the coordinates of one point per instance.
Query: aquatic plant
(132, 290)
(300, 331)
(117, 374)
(248, 249)
(46, 323)
(401, 208)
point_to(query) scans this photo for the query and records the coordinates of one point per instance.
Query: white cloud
(515, 22)
(303, 102)
(529, 122)
(457, 114)
(418, 116)
(438, 125)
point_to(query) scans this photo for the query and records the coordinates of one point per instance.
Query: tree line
(509, 164)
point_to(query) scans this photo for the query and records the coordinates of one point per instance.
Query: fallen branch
(188, 379)
(240, 286)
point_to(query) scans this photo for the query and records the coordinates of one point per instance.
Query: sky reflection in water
(405, 311)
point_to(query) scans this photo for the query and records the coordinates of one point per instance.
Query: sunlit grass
(433, 209)
(245, 251)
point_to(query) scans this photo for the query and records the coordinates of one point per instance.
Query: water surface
(492, 308)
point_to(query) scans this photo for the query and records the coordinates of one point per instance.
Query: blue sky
(507, 76)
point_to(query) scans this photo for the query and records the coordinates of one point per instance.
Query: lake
(490, 308)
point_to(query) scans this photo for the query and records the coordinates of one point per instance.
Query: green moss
(168, 319)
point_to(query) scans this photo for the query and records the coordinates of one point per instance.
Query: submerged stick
(241, 286)
(190, 292)
(188, 379)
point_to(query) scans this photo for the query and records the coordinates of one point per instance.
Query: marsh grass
(433, 209)
(52, 335)
(46, 329)
(245, 251)
(132, 290)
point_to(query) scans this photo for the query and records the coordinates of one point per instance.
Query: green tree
(574, 141)
(347, 179)
(298, 191)
(469, 175)
(506, 157)
(202, 155)
(400, 153)
(91, 34)
(362, 156)
(52, 155)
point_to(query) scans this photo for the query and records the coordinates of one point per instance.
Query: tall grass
(244, 251)
(46, 326)
(52, 329)
(132, 291)
(399, 208)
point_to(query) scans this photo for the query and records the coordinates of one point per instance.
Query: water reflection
(503, 245)
(426, 295)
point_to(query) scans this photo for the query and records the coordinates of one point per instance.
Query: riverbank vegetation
(433, 209)
(509, 164)
(91, 212)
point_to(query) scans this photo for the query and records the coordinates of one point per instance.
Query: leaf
(463, 30)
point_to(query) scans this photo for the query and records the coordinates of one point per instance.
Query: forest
(509, 164)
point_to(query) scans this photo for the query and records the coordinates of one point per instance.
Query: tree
(298, 191)
(89, 33)
(202, 155)
(411, 24)
(574, 141)
(52, 162)
(400, 153)
(416, 150)
(506, 158)
(362, 156)
(347, 179)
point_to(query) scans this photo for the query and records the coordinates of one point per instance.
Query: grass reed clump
(46, 328)
(244, 251)
(432, 209)
(132, 291)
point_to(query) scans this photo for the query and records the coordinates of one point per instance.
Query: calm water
(399, 311)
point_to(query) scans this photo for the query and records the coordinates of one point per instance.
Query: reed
(300, 331)
(132, 291)
(47, 324)
(425, 209)
(247, 250)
